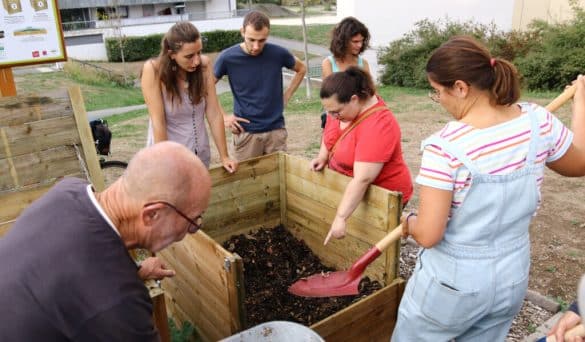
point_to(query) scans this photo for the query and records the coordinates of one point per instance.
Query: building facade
(91, 14)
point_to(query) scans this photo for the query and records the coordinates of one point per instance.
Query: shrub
(405, 59)
(145, 47)
(557, 57)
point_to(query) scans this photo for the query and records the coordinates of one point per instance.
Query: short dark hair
(463, 58)
(342, 34)
(345, 84)
(257, 19)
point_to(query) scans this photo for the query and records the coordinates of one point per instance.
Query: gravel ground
(530, 317)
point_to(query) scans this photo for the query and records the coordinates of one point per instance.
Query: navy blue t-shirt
(256, 83)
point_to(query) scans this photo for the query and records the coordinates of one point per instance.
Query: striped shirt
(496, 150)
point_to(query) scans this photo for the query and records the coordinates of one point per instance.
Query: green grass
(316, 34)
(97, 94)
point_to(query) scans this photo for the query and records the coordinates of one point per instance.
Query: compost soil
(273, 260)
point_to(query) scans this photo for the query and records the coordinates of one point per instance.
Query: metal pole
(308, 75)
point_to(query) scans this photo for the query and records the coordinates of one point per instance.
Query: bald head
(167, 171)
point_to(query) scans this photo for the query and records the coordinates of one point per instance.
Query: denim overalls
(471, 284)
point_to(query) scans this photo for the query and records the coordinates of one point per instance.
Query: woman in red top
(361, 140)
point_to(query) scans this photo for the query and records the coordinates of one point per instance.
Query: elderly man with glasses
(65, 270)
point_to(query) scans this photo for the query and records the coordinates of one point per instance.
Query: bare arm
(363, 175)
(214, 115)
(572, 163)
(151, 90)
(300, 70)
(367, 68)
(326, 68)
(429, 226)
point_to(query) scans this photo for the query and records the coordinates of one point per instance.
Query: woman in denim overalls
(479, 188)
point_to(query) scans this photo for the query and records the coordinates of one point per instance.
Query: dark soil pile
(273, 260)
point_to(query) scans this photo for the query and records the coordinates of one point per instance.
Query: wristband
(406, 220)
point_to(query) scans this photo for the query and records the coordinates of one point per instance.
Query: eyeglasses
(336, 113)
(435, 95)
(196, 223)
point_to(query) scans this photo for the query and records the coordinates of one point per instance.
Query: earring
(174, 66)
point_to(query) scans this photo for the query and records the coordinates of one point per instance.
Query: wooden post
(7, 86)
(159, 314)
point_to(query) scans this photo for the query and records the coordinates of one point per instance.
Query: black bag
(102, 136)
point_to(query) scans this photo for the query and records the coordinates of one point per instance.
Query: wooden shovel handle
(561, 99)
(394, 235)
(578, 330)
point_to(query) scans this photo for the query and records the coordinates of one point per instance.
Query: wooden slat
(236, 294)
(308, 193)
(19, 110)
(240, 190)
(248, 169)
(282, 185)
(201, 287)
(38, 167)
(375, 196)
(14, 202)
(88, 150)
(38, 136)
(246, 226)
(370, 319)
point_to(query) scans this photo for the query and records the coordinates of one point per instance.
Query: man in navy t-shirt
(254, 69)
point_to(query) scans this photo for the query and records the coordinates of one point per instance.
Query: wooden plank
(308, 193)
(364, 230)
(282, 185)
(7, 86)
(201, 287)
(370, 319)
(39, 167)
(22, 109)
(242, 189)
(236, 294)
(38, 136)
(247, 226)
(233, 208)
(14, 202)
(248, 169)
(335, 181)
(88, 150)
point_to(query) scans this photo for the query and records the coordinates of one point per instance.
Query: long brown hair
(463, 58)
(181, 33)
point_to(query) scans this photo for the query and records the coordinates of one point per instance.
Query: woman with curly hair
(349, 39)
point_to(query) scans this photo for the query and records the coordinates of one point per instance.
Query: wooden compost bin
(42, 140)
(265, 192)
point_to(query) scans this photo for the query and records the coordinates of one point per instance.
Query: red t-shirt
(376, 140)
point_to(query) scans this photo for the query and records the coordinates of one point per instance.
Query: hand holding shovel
(343, 283)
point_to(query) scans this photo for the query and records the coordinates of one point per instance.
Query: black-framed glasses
(196, 223)
(435, 95)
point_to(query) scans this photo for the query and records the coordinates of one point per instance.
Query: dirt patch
(273, 260)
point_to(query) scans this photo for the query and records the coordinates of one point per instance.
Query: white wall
(552, 11)
(220, 5)
(88, 52)
(388, 20)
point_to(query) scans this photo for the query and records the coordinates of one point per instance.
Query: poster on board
(30, 33)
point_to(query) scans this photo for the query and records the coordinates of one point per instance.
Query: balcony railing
(159, 19)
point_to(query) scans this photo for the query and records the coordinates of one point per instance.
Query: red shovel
(342, 283)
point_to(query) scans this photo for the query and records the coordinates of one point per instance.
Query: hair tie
(492, 62)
